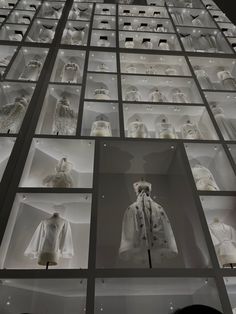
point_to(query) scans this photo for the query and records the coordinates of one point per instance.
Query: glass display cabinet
(117, 156)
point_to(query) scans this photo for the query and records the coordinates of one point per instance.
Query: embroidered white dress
(146, 227)
(51, 240)
(224, 240)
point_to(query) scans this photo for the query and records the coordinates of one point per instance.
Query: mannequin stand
(47, 265)
(149, 259)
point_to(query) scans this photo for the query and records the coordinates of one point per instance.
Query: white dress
(190, 131)
(70, 73)
(224, 240)
(137, 129)
(204, 179)
(227, 79)
(12, 115)
(226, 127)
(31, 71)
(64, 122)
(51, 240)
(165, 130)
(101, 127)
(146, 227)
(62, 177)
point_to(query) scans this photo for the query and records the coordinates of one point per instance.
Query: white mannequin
(52, 240)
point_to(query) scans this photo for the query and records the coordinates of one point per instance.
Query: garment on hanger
(164, 129)
(101, 126)
(62, 176)
(204, 179)
(226, 79)
(102, 93)
(227, 128)
(70, 73)
(132, 94)
(74, 36)
(51, 241)
(31, 71)
(224, 240)
(197, 22)
(157, 96)
(137, 129)
(203, 78)
(12, 115)
(190, 131)
(160, 29)
(178, 96)
(146, 227)
(144, 27)
(64, 122)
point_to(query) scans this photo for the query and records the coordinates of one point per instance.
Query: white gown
(51, 240)
(224, 240)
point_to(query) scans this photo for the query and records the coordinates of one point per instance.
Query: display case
(30, 5)
(232, 149)
(203, 40)
(220, 216)
(143, 11)
(15, 99)
(166, 122)
(159, 89)
(192, 17)
(143, 40)
(12, 32)
(222, 106)
(28, 64)
(8, 4)
(75, 33)
(232, 41)
(56, 296)
(4, 13)
(103, 38)
(21, 17)
(6, 53)
(193, 4)
(81, 11)
(60, 111)
(126, 235)
(27, 242)
(219, 16)
(230, 283)
(208, 162)
(105, 9)
(68, 67)
(154, 295)
(100, 119)
(156, 2)
(42, 31)
(101, 87)
(154, 64)
(228, 29)
(100, 62)
(104, 22)
(160, 25)
(210, 5)
(215, 73)
(6, 145)
(59, 163)
(51, 10)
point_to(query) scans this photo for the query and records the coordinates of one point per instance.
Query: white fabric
(223, 75)
(102, 94)
(204, 179)
(137, 129)
(203, 78)
(227, 128)
(190, 131)
(164, 46)
(74, 37)
(70, 73)
(51, 240)
(12, 115)
(64, 122)
(45, 35)
(178, 96)
(103, 42)
(101, 128)
(224, 240)
(165, 130)
(157, 96)
(132, 94)
(31, 71)
(146, 226)
(62, 177)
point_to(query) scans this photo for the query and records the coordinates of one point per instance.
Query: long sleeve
(34, 247)
(66, 243)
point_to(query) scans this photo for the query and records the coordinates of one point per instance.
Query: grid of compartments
(117, 128)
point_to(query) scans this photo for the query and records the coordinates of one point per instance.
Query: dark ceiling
(228, 7)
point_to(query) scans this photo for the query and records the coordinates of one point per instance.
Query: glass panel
(75, 33)
(54, 296)
(51, 10)
(47, 231)
(6, 53)
(12, 32)
(127, 237)
(81, 11)
(230, 283)
(143, 11)
(105, 9)
(153, 295)
(208, 162)
(21, 17)
(102, 62)
(6, 145)
(145, 25)
(104, 22)
(59, 163)
(103, 38)
(31, 5)
(42, 31)
(192, 17)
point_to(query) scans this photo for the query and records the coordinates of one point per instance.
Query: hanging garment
(187, 41)
(102, 93)
(79, 14)
(144, 27)
(157, 96)
(74, 36)
(52, 13)
(64, 122)
(203, 78)
(177, 17)
(101, 127)
(190, 131)
(46, 34)
(165, 130)
(137, 129)
(204, 179)
(146, 227)
(51, 241)
(226, 79)
(224, 240)
(31, 71)
(62, 177)
(70, 73)
(160, 29)
(178, 96)
(12, 115)
(132, 94)
(227, 128)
